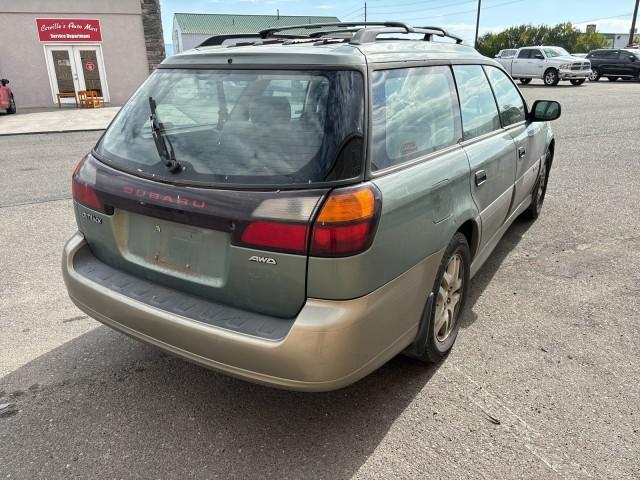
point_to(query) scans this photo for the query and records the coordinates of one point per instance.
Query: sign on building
(68, 30)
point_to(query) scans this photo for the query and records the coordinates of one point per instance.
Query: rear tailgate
(250, 154)
(191, 239)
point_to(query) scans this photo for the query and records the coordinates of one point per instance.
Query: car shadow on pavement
(107, 406)
(110, 407)
(483, 277)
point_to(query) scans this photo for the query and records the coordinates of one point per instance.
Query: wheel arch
(471, 230)
(551, 149)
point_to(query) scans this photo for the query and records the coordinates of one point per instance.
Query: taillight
(285, 237)
(347, 222)
(82, 182)
(344, 226)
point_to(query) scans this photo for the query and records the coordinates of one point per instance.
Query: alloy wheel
(542, 184)
(593, 76)
(550, 78)
(448, 298)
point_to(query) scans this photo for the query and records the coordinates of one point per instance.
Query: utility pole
(475, 43)
(632, 32)
(365, 11)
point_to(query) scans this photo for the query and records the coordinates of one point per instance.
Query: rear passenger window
(415, 112)
(524, 54)
(479, 111)
(510, 102)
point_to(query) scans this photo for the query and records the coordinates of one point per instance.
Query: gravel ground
(542, 383)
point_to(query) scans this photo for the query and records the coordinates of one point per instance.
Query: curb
(44, 132)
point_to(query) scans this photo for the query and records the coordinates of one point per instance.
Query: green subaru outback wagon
(298, 206)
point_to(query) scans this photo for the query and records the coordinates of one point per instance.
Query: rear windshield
(254, 127)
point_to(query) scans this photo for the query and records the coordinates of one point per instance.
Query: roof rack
(365, 34)
(356, 33)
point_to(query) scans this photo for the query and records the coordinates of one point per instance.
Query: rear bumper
(331, 344)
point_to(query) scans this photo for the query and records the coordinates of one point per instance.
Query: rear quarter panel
(422, 207)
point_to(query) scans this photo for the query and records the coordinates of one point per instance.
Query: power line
(605, 18)
(351, 12)
(450, 14)
(396, 10)
(354, 16)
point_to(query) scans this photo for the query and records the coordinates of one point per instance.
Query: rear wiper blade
(161, 139)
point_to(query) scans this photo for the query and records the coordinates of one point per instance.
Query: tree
(590, 41)
(561, 35)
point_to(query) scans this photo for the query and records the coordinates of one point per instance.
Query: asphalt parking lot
(542, 383)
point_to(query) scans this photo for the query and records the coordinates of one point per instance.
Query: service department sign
(68, 30)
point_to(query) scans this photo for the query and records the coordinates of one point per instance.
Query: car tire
(551, 78)
(577, 81)
(595, 75)
(441, 320)
(539, 192)
(525, 81)
(12, 106)
(612, 79)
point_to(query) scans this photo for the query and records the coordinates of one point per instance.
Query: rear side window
(611, 54)
(628, 56)
(243, 127)
(512, 109)
(525, 54)
(534, 52)
(415, 112)
(478, 106)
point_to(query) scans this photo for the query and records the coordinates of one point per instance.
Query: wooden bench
(66, 95)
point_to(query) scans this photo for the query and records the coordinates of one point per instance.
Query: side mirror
(545, 111)
(538, 56)
(4, 82)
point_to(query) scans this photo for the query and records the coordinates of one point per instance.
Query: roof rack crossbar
(329, 32)
(368, 35)
(445, 33)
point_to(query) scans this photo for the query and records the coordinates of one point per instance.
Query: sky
(458, 16)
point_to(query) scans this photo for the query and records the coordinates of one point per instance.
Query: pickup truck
(550, 64)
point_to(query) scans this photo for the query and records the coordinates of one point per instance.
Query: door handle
(522, 152)
(481, 177)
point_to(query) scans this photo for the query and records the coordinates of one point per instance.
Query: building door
(75, 67)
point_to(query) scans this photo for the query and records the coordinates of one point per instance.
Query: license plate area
(190, 253)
